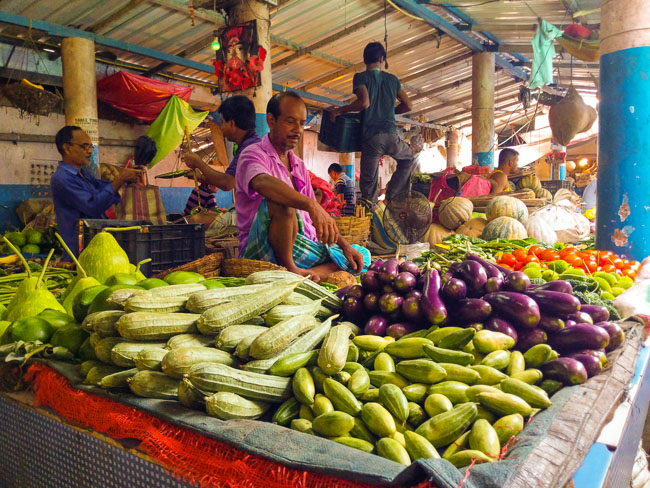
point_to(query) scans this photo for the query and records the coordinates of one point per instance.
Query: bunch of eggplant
(396, 299)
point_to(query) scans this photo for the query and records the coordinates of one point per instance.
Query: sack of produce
(570, 116)
(562, 217)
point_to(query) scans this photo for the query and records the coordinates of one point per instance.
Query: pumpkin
(473, 227)
(529, 181)
(543, 193)
(454, 212)
(436, 234)
(505, 206)
(538, 228)
(504, 228)
(526, 193)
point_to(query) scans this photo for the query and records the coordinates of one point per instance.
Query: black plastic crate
(555, 185)
(168, 246)
(342, 134)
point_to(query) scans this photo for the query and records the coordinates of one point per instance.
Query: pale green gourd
(103, 257)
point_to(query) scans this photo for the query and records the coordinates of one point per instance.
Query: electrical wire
(399, 9)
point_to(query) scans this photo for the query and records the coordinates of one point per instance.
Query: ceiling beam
(115, 17)
(442, 88)
(193, 48)
(294, 46)
(328, 40)
(183, 6)
(460, 100)
(455, 122)
(357, 66)
(439, 23)
(456, 59)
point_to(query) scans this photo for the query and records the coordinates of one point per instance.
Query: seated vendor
(76, 193)
(278, 218)
(508, 164)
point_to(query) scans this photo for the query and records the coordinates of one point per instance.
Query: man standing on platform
(377, 92)
(76, 193)
(344, 189)
(278, 218)
(238, 126)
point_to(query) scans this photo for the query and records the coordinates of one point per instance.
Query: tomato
(573, 260)
(531, 259)
(591, 265)
(567, 251)
(605, 257)
(504, 265)
(535, 250)
(508, 259)
(607, 268)
(617, 262)
(519, 254)
(519, 265)
(550, 255)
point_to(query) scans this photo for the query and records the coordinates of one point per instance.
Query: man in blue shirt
(238, 126)
(76, 193)
(377, 93)
(344, 189)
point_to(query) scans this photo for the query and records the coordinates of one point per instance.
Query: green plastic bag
(168, 129)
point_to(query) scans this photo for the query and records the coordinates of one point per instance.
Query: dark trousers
(372, 150)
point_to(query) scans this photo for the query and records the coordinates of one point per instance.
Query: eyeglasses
(85, 146)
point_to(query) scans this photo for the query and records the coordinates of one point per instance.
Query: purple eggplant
(503, 326)
(472, 273)
(517, 281)
(568, 371)
(580, 336)
(371, 302)
(376, 325)
(409, 267)
(474, 325)
(454, 289)
(551, 324)
(390, 302)
(414, 294)
(555, 302)
(342, 292)
(432, 306)
(570, 323)
(354, 310)
(597, 353)
(388, 271)
(616, 334)
(529, 338)
(517, 308)
(411, 309)
(355, 291)
(447, 276)
(404, 282)
(598, 313)
(581, 318)
(493, 284)
(370, 281)
(400, 329)
(591, 363)
(493, 271)
(470, 310)
(376, 265)
(387, 289)
(395, 316)
(557, 285)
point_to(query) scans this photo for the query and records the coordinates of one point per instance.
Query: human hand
(334, 112)
(354, 257)
(130, 175)
(192, 160)
(326, 229)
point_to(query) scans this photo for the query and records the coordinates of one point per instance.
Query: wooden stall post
(483, 109)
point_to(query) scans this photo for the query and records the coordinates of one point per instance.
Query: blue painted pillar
(623, 196)
(483, 109)
(261, 127)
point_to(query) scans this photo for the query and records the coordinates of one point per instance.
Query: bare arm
(499, 182)
(405, 104)
(362, 102)
(279, 192)
(221, 180)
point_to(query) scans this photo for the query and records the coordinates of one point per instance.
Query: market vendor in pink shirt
(278, 218)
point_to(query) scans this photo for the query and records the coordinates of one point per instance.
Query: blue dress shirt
(78, 195)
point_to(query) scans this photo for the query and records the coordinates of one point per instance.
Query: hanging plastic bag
(563, 218)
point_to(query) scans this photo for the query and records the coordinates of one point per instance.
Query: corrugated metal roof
(347, 26)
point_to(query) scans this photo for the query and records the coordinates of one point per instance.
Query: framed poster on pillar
(239, 59)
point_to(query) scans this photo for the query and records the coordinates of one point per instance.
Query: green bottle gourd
(80, 285)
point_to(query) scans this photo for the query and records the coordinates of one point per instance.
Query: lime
(69, 336)
(30, 249)
(33, 236)
(533, 272)
(150, 283)
(183, 277)
(210, 284)
(121, 279)
(31, 329)
(56, 318)
(16, 238)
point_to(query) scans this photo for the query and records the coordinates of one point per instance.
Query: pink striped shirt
(262, 158)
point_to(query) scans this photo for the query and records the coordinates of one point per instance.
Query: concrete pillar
(244, 12)
(623, 200)
(346, 160)
(452, 148)
(80, 89)
(483, 109)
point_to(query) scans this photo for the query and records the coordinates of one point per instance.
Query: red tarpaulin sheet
(140, 97)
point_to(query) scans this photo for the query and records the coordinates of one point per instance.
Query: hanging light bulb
(216, 45)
